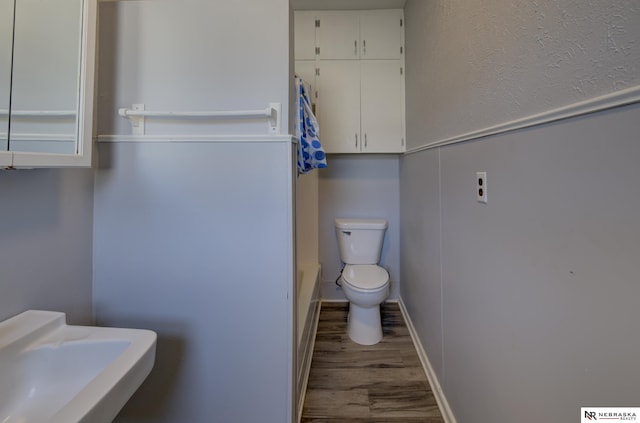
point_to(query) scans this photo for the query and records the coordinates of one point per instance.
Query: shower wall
(307, 217)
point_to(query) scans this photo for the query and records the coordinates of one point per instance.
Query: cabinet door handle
(365, 140)
(356, 140)
(355, 47)
(364, 47)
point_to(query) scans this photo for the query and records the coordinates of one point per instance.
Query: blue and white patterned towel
(311, 155)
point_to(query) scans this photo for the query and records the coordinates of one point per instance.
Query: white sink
(55, 373)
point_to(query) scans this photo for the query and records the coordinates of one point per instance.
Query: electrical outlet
(481, 187)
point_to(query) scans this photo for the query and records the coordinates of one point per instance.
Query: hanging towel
(311, 155)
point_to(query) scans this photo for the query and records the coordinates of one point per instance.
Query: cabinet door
(381, 34)
(305, 35)
(339, 105)
(381, 104)
(339, 35)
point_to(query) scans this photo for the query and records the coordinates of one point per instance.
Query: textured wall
(491, 62)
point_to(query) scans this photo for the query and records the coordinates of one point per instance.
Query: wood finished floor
(374, 384)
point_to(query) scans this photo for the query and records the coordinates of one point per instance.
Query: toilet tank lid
(361, 223)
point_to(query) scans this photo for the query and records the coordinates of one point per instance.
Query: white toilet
(365, 284)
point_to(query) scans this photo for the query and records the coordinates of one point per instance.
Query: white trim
(28, 160)
(197, 138)
(291, 291)
(441, 262)
(39, 113)
(445, 409)
(596, 104)
(35, 137)
(87, 101)
(306, 371)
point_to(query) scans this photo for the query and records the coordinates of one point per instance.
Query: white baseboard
(447, 414)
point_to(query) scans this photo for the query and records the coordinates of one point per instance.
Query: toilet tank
(360, 240)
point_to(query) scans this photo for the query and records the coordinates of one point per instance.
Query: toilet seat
(365, 277)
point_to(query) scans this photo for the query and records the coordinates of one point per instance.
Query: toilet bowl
(364, 283)
(366, 286)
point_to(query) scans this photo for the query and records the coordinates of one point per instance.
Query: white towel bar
(137, 114)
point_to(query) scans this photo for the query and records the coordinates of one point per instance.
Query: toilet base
(365, 326)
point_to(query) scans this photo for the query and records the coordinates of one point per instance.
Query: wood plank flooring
(374, 384)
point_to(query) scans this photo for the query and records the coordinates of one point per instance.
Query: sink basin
(56, 373)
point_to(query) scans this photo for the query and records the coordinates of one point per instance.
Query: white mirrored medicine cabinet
(47, 72)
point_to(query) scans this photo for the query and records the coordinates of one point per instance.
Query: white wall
(46, 223)
(525, 303)
(420, 249)
(530, 298)
(193, 55)
(195, 240)
(355, 186)
(202, 254)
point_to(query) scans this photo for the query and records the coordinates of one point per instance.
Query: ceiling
(346, 4)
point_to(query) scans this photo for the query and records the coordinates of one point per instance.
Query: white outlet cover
(481, 187)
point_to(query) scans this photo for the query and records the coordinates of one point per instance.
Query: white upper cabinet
(381, 34)
(357, 66)
(382, 106)
(339, 35)
(339, 106)
(305, 35)
(350, 35)
(360, 106)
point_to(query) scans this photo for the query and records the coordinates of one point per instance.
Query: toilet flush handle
(348, 233)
